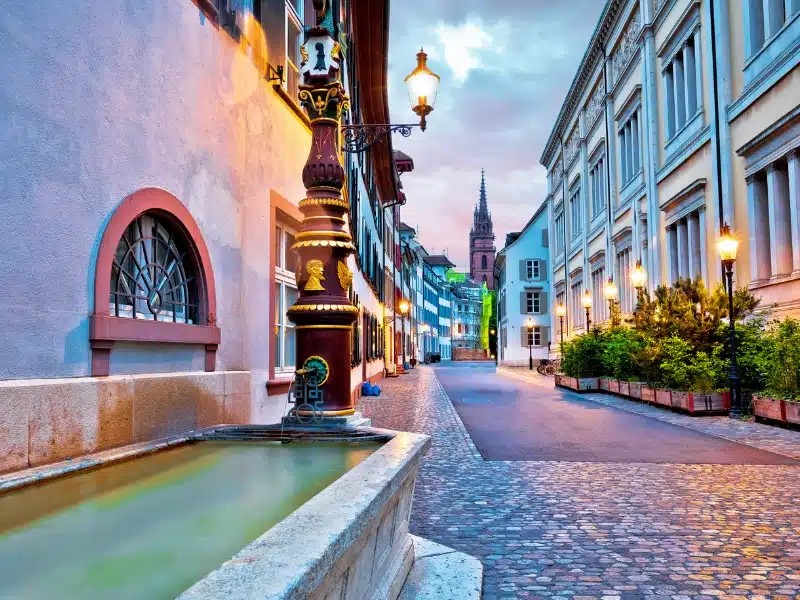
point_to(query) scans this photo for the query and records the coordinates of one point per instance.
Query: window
(599, 302)
(764, 19)
(685, 238)
(576, 304)
(624, 280)
(597, 183)
(533, 269)
(285, 297)
(575, 212)
(771, 198)
(533, 302)
(683, 93)
(483, 262)
(630, 149)
(151, 277)
(298, 12)
(560, 232)
(531, 337)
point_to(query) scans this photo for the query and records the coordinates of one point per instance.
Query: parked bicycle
(548, 367)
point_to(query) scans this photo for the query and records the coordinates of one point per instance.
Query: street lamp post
(404, 308)
(561, 311)
(587, 304)
(639, 280)
(727, 245)
(611, 296)
(530, 344)
(323, 313)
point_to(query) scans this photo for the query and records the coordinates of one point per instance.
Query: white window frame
(295, 17)
(575, 212)
(533, 302)
(284, 280)
(533, 269)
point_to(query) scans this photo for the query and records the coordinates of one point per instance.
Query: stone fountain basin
(350, 541)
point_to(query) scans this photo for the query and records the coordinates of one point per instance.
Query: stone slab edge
(441, 573)
(464, 432)
(292, 558)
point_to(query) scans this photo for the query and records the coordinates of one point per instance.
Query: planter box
(635, 390)
(648, 394)
(587, 384)
(603, 383)
(613, 386)
(773, 409)
(713, 402)
(792, 412)
(680, 400)
(624, 388)
(663, 397)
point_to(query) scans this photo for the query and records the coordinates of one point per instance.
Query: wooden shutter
(542, 303)
(542, 269)
(545, 337)
(523, 302)
(524, 336)
(273, 22)
(523, 270)
(545, 239)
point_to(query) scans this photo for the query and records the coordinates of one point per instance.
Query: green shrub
(583, 355)
(781, 359)
(621, 345)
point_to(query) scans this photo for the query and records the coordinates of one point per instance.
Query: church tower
(481, 242)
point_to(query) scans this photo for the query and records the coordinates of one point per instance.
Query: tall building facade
(481, 241)
(683, 116)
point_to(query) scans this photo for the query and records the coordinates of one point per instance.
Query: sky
(505, 68)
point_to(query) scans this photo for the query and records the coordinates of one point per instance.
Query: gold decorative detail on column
(331, 243)
(324, 202)
(319, 232)
(345, 276)
(315, 269)
(325, 307)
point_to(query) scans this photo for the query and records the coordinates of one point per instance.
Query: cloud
(506, 66)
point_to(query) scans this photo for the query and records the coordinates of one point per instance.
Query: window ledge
(691, 126)
(764, 283)
(292, 104)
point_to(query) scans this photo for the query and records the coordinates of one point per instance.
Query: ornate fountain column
(323, 313)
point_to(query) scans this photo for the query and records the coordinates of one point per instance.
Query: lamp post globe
(423, 85)
(727, 246)
(404, 306)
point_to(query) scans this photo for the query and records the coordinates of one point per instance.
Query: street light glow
(530, 324)
(404, 306)
(611, 290)
(727, 245)
(587, 300)
(423, 85)
(638, 275)
(561, 310)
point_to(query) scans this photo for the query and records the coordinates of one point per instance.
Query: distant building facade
(481, 241)
(467, 310)
(522, 276)
(668, 131)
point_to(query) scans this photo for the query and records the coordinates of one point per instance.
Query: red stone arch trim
(105, 329)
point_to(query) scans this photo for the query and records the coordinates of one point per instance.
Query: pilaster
(650, 150)
(780, 225)
(794, 207)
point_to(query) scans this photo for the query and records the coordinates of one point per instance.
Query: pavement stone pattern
(758, 435)
(604, 531)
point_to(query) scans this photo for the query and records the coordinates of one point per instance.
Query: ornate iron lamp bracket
(358, 138)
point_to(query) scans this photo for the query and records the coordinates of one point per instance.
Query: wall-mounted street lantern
(404, 306)
(728, 245)
(423, 86)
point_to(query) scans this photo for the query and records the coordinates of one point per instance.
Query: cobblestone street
(600, 529)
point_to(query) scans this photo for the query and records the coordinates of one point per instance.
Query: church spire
(483, 206)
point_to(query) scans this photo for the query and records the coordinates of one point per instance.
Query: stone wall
(47, 420)
(470, 354)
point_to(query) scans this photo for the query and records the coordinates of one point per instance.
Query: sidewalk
(757, 435)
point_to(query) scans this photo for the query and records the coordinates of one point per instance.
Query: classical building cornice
(594, 53)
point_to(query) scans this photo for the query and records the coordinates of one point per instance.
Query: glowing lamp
(638, 275)
(727, 244)
(587, 300)
(561, 310)
(611, 290)
(404, 306)
(423, 85)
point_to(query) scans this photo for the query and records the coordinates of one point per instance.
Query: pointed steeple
(483, 205)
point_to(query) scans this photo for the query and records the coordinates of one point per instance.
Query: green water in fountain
(150, 527)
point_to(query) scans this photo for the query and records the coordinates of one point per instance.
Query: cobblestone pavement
(597, 530)
(766, 437)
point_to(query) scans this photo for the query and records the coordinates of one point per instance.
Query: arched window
(153, 280)
(153, 276)
(483, 262)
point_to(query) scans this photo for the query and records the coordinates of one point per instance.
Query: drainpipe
(566, 240)
(717, 128)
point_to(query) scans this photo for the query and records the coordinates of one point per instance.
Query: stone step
(441, 573)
